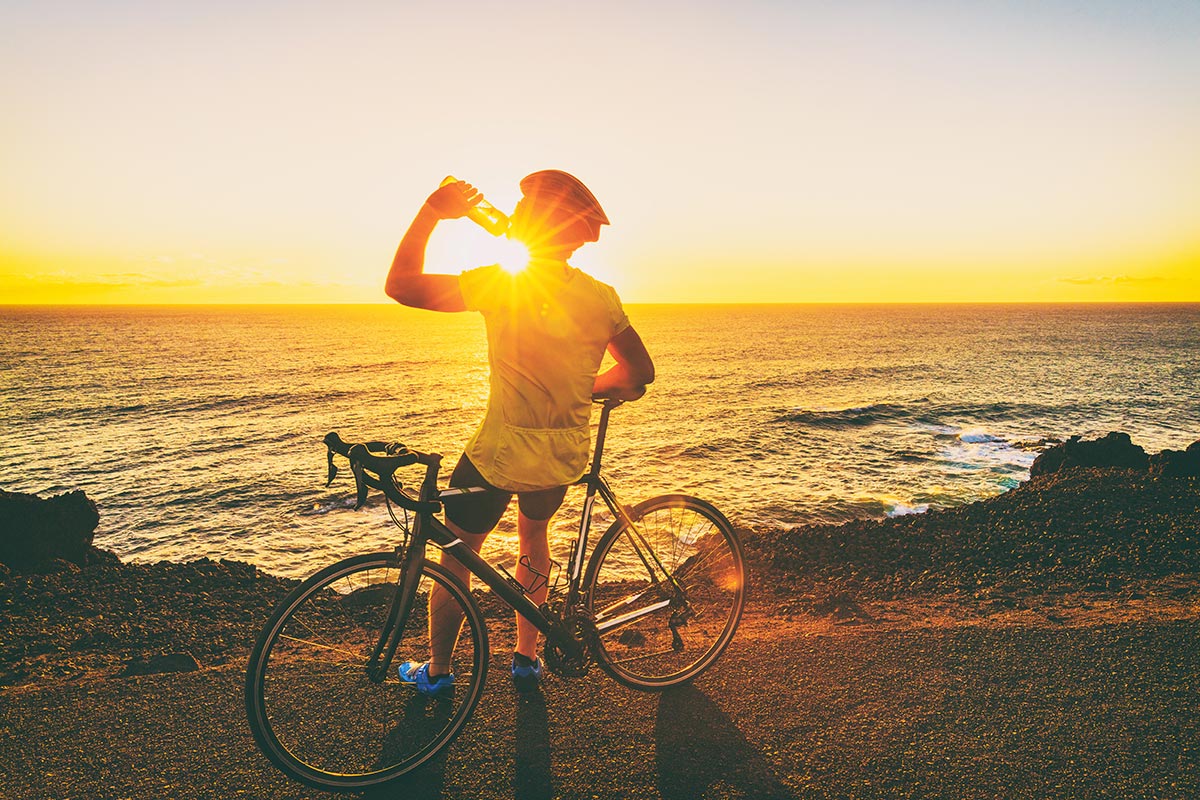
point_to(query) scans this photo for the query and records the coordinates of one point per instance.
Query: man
(548, 327)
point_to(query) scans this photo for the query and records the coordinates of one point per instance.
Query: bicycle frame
(656, 604)
(428, 529)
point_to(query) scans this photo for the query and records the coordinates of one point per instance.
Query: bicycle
(659, 602)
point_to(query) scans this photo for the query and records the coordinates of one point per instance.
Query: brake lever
(333, 470)
(360, 484)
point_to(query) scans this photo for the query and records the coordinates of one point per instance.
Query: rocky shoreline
(1101, 518)
(1086, 529)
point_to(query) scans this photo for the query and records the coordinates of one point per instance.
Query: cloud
(142, 280)
(113, 280)
(99, 285)
(1111, 280)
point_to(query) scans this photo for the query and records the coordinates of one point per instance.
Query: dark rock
(1038, 445)
(98, 557)
(34, 532)
(1113, 451)
(57, 565)
(170, 662)
(840, 606)
(95, 640)
(1177, 463)
(241, 570)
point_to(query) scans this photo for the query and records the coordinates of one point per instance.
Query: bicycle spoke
(320, 646)
(644, 656)
(721, 553)
(659, 630)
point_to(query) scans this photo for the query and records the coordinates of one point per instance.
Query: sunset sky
(749, 151)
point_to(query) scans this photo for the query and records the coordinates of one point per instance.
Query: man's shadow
(533, 778)
(698, 746)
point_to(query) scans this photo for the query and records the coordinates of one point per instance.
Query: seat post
(605, 409)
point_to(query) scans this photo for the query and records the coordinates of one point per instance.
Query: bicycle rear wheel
(667, 593)
(312, 708)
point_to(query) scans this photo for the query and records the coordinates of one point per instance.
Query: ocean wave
(948, 418)
(851, 417)
(978, 449)
(837, 375)
(903, 510)
(707, 449)
(322, 508)
(191, 406)
(99, 412)
(980, 437)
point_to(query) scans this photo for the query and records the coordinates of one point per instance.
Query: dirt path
(916, 703)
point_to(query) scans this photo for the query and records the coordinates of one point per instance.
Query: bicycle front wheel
(666, 593)
(312, 707)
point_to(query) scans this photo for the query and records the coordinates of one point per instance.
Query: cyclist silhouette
(548, 327)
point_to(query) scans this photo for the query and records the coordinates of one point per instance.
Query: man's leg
(445, 615)
(533, 544)
(478, 512)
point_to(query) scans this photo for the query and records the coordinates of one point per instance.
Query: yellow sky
(745, 152)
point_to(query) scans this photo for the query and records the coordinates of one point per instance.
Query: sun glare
(512, 256)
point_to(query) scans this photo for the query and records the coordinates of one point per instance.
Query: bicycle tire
(701, 551)
(312, 709)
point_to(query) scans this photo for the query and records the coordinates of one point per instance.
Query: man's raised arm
(407, 282)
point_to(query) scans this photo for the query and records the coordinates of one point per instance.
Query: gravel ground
(1041, 644)
(795, 709)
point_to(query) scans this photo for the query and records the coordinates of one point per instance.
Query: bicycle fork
(399, 610)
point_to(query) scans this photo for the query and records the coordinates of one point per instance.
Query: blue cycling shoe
(418, 675)
(527, 678)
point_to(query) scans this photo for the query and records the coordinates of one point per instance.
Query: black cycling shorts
(479, 512)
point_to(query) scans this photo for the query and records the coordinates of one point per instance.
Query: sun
(467, 246)
(511, 255)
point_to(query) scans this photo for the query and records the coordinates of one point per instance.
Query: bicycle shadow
(429, 780)
(533, 778)
(698, 745)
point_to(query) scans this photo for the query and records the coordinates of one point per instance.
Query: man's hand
(626, 393)
(453, 200)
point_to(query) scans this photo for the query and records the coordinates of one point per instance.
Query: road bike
(658, 602)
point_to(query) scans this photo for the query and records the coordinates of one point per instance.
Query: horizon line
(655, 303)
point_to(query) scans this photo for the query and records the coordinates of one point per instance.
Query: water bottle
(484, 214)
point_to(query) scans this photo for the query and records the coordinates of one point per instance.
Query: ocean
(197, 429)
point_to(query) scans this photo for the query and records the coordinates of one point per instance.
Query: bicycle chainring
(561, 663)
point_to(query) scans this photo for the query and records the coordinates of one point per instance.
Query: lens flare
(513, 256)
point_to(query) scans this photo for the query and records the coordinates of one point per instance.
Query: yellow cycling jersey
(547, 329)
